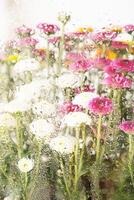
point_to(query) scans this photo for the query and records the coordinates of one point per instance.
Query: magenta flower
(101, 62)
(127, 127)
(124, 64)
(75, 56)
(101, 105)
(104, 36)
(129, 28)
(48, 28)
(84, 88)
(68, 107)
(81, 65)
(119, 45)
(117, 81)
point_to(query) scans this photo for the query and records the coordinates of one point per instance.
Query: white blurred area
(95, 13)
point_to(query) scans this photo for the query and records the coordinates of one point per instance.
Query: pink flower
(68, 107)
(27, 42)
(101, 62)
(75, 56)
(39, 53)
(127, 127)
(24, 31)
(48, 28)
(54, 40)
(81, 65)
(117, 81)
(101, 105)
(124, 64)
(104, 36)
(129, 28)
(85, 88)
(119, 45)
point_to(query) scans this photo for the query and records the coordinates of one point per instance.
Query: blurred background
(95, 13)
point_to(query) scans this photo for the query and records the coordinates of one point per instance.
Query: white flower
(25, 164)
(41, 128)
(75, 119)
(43, 108)
(124, 37)
(63, 144)
(32, 90)
(69, 80)
(7, 120)
(83, 98)
(18, 105)
(25, 65)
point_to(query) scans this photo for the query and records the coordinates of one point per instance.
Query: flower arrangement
(67, 113)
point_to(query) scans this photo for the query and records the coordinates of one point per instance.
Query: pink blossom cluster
(68, 107)
(84, 88)
(81, 65)
(101, 105)
(48, 28)
(127, 127)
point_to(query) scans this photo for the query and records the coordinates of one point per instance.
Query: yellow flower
(117, 29)
(12, 58)
(84, 29)
(111, 54)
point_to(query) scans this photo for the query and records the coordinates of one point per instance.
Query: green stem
(130, 158)
(19, 138)
(47, 58)
(98, 138)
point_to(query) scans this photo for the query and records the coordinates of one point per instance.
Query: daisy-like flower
(63, 144)
(27, 42)
(7, 120)
(67, 107)
(81, 65)
(83, 98)
(43, 108)
(129, 28)
(101, 105)
(25, 165)
(24, 31)
(75, 119)
(48, 28)
(26, 65)
(69, 80)
(41, 128)
(124, 37)
(117, 81)
(127, 127)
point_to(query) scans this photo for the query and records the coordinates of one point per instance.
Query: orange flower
(111, 54)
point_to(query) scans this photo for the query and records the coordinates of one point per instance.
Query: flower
(43, 108)
(41, 128)
(81, 65)
(84, 88)
(25, 65)
(83, 98)
(67, 107)
(117, 81)
(7, 120)
(119, 45)
(124, 65)
(27, 42)
(129, 28)
(127, 127)
(101, 105)
(124, 37)
(48, 28)
(24, 31)
(25, 165)
(75, 119)
(63, 144)
(69, 80)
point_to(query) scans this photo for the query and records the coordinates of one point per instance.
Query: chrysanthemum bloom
(124, 65)
(63, 144)
(27, 42)
(124, 37)
(83, 98)
(67, 107)
(119, 45)
(104, 36)
(75, 56)
(81, 65)
(48, 28)
(117, 81)
(26, 65)
(25, 165)
(101, 62)
(24, 31)
(101, 105)
(75, 119)
(129, 28)
(41, 128)
(127, 127)
(84, 88)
